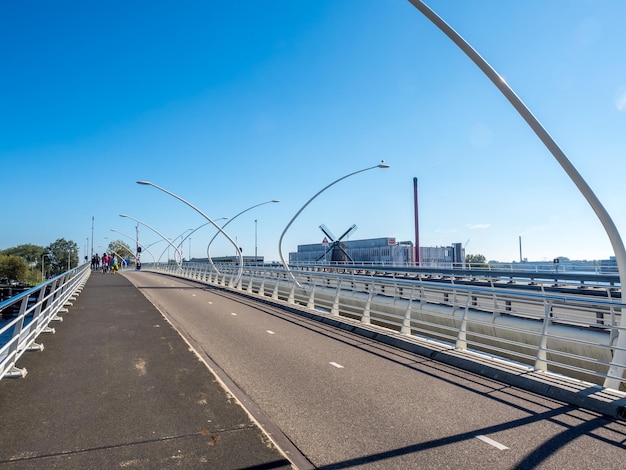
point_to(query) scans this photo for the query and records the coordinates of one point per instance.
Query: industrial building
(379, 251)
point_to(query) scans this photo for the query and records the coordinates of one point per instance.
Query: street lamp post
(179, 244)
(616, 369)
(137, 249)
(43, 260)
(208, 248)
(92, 222)
(136, 240)
(148, 183)
(182, 239)
(191, 233)
(158, 233)
(282, 235)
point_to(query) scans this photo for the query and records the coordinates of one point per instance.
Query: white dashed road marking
(334, 364)
(491, 442)
(233, 314)
(270, 332)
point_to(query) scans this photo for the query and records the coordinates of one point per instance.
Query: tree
(28, 252)
(31, 254)
(63, 255)
(13, 268)
(120, 248)
(476, 261)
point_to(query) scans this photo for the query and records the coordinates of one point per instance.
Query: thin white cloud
(621, 102)
(478, 226)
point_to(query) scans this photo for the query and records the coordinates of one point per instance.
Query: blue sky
(230, 104)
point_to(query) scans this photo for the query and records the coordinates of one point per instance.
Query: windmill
(336, 248)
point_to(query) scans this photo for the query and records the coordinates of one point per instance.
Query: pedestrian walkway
(117, 387)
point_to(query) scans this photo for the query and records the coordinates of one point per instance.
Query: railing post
(15, 342)
(335, 309)
(249, 286)
(461, 340)
(365, 319)
(406, 323)
(311, 302)
(262, 286)
(292, 294)
(541, 362)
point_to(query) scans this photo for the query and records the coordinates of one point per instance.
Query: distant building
(381, 251)
(609, 265)
(560, 264)
(374, 250)
(452, 256)
(247, 260)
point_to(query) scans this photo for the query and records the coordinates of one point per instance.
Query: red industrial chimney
(417, 227)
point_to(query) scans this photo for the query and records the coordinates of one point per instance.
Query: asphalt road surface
(344, 401)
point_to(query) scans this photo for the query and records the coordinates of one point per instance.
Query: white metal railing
(569, 331)
(25, 316)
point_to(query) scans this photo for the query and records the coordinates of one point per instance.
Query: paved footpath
(117, 387)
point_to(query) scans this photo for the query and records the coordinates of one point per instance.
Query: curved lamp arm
(280, 241)
(208, 248)
(618, 364)
(135, 240)
(180, 257)
(194, 231)
(240, 272)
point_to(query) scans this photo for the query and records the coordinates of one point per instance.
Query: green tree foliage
(56, 258)
(28, 252)
(31, 254)
(121, 249)
(13, 268)
(476, 261)
(63, 254)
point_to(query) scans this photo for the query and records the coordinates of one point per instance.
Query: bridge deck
(116, 386)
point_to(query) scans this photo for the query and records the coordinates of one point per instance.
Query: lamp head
(147, 183)
(275, 200)
(123, 215)
(382, 164)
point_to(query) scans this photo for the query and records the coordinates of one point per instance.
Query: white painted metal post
(406, 323)
(541, 361)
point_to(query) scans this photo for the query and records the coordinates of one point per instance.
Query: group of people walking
(106, 263)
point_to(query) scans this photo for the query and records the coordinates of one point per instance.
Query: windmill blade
(348, 232)
(328, 250)
(340, 254)
(328, 233)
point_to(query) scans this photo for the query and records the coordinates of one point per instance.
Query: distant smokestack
(417, 226)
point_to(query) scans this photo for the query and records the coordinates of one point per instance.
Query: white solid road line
(491, 442)
(334, 364)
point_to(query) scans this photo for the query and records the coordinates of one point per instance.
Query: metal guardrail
(25, 316)
(571, 332)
